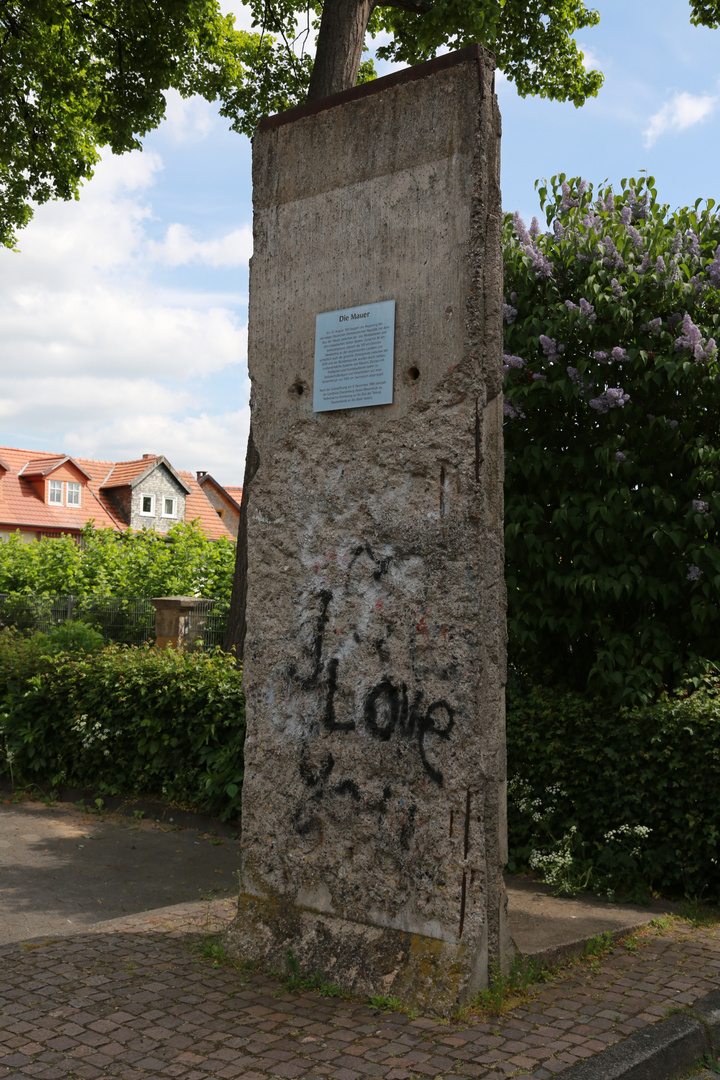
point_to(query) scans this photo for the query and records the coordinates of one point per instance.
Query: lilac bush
(612, 435)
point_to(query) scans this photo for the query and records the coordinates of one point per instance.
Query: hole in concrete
(297, 388)
(413, 373)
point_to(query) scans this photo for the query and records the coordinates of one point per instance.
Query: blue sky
(123, 319)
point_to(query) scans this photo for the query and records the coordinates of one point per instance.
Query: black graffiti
(438, 719)
(386, 707)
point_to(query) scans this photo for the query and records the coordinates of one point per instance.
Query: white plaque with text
(354, 351)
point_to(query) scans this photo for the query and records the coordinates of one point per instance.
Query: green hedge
(576, 763)
(124, 721)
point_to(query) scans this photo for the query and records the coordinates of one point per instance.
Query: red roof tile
(22, 507)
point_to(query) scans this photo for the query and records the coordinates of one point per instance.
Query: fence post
(175, 617)
(70, 600)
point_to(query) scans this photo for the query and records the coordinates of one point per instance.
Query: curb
(659, 1052)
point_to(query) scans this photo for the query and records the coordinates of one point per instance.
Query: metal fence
(125, 620)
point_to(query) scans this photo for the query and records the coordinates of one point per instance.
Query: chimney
(149, 457)
(200, 475)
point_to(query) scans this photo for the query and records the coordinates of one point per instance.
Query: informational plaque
(354, 350)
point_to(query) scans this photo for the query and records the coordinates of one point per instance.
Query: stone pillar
(175, 618)
(373, 817)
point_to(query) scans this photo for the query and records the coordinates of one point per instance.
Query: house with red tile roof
(44, 494)
(226, 500)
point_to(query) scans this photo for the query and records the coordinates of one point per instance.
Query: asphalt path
(63, 870)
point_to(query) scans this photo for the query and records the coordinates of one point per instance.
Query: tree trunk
(237, 625)
(339, 46)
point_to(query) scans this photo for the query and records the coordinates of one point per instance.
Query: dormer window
(55, 492)
(72, 496)
(169, 507)
(147, 505)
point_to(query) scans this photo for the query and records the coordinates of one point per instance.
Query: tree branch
(417, 7)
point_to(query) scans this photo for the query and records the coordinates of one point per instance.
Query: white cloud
(591, 61)
(179, 248)
(188, 120)
(684, 110)
(215, 443)
(102, 354)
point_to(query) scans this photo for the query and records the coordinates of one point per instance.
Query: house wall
(159, 483)
(66, 472)
(229, 514)
(121, 498)
(26, 535)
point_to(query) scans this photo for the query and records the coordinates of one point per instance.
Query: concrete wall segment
(374, 660)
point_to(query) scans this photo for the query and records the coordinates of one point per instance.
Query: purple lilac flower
(714, 268)
(570, 306)
(692, 339)
(673, 424)
(513, 361)
(513, 297)
(613, 398)
(619, 354)
(541, 265)
(512, 411)
(700, 506)
(676, 245)
(673, 273)
(589, 219)
(574, 374)
(534, 227)
(636, 237)
(509, 313)
(620, 456)
(660, 265)
(601, 357)
(694, 573)
(654, 326)
(550, 347)
(617, 288)
(645, 264)
(612, 255)
(626, 215)
(692, 244)
(610, 202)
(587, 310)
(539, 378)
(558, 228)
(675, 318)
(520, 228)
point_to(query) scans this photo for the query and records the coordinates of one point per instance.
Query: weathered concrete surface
(551, 929)
(374, 797)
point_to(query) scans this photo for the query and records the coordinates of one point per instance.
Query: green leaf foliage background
(612, 438)
(130, 564)
(600, 767)
(124, 720)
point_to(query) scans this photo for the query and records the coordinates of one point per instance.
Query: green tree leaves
(107, 563)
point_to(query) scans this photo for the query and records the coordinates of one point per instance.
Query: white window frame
(147, 495)
(173, 500)
(73, 484)
(55, 487)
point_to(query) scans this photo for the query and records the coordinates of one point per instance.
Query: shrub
(617, 797)
(73, 636)
(108, 563)
(124, 721)
(612, 406)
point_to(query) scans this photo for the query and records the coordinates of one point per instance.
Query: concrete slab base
(550, 929)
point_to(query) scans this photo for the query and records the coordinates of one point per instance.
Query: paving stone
(138, 1004)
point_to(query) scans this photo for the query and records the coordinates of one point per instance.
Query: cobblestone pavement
(133, 1000)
